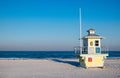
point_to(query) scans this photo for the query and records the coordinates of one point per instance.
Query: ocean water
(47, 54)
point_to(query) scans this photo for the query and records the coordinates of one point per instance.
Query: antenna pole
(80, 30)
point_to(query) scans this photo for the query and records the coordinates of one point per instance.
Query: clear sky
(54, 24)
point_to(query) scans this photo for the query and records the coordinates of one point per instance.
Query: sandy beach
(56, 68)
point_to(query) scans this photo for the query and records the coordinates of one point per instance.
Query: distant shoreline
(111, 58)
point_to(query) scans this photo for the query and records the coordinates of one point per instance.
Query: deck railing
(84, 50)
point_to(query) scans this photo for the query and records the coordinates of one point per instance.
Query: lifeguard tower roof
(91, 34)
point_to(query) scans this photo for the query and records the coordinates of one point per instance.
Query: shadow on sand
(74, 63)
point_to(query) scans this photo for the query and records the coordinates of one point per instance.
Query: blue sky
(54, 24)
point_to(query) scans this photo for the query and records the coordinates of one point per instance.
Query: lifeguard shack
(92, 53)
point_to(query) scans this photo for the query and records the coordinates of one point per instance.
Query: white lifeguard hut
(92, 53)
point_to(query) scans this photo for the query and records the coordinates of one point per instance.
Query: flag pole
(80, 16)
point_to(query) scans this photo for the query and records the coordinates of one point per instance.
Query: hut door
(91, 50)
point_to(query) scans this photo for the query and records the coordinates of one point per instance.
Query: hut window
(96, 43)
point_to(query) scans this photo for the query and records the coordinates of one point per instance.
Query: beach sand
(56, 68)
